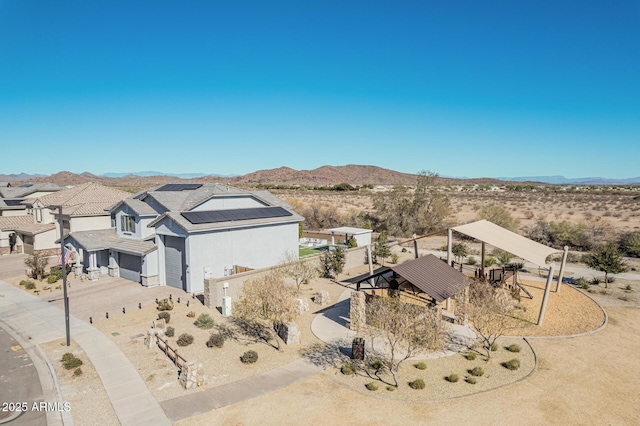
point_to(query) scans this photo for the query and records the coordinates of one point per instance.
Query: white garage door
(174, 261)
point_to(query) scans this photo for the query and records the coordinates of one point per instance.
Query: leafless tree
(37, 265)
(491, 311)
(299, 270)
(269, 301)
(405, 329)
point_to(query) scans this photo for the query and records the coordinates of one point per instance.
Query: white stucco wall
(150, 264)
(142, 231)
(363, 239)
(45, 240)
(229, 202)
(255, 247)
(90, 223)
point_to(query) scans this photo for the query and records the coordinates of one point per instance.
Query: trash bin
(357, 348)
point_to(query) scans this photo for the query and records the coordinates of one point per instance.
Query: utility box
(226, 306)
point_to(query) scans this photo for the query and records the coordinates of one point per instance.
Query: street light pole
(64, 276)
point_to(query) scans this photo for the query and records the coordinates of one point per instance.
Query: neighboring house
(83, 208)
(173, 234)
(8, 225)
(12, 198)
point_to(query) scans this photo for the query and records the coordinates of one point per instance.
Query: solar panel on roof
(25, 185)
(179, 187)
(215, 216)
(12, 202)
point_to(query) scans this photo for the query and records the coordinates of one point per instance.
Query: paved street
(19, 383)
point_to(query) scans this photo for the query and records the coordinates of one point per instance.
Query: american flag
(67, 256)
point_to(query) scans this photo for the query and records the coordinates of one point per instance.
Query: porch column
(370, 265)
(333, 242)
(482, 256)
(561, 273)
(546, 293)
(93, 273)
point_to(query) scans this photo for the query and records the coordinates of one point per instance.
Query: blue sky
(462, 88)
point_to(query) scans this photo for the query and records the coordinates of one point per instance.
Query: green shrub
(471, 260)
(204, 322)
(249, 357)
(404, 250)
(72, 363)
(165, 305)
(417, 384)
(477, 371)
(394, 258)
(489, 261)
(372, 386)
(170, 332)
(376, 365)
(582, 283)
(628, 287)
(30, 285)
(494, 347)
(512, 364)
(66, 357)
(166, 316)
(185, 339)
(513, 348)
(471, 356)
(471, 380)
(453, 378)
(420, 366)
(611, 279)
(25, 282)
(596, 281)
(348, 369)
(77, 372)
(391, 388)
(215, 340)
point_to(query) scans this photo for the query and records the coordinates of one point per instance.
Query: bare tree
(405, 329)
(37, 265)
(299, 270)
(490, 310)
(269, 301)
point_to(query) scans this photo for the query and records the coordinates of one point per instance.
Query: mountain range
(325, 175)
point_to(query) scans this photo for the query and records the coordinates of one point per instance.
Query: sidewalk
(39, 322)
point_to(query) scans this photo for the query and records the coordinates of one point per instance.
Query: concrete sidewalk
(39, 322)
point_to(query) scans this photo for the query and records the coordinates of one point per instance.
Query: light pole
(64, 275)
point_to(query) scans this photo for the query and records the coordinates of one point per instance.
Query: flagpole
(64, 275)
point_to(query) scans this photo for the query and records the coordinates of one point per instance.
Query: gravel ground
(90, 404)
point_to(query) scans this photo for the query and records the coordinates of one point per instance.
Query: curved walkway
(39, 322)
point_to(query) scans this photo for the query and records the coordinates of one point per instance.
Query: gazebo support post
(370, 265)
(561, 273)
(482, 256)
(546, 293)
(449, 235)
(415, 246)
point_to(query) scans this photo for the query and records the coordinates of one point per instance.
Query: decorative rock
(289, 333)
(302, 304)
(357, 310)
(322, 298)
(192, 375)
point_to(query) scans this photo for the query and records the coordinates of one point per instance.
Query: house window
(128, 223)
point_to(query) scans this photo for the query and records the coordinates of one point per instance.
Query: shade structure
(506, 240)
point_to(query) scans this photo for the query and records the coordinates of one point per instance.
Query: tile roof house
(12, 198)
(83, 208)
(170, 235)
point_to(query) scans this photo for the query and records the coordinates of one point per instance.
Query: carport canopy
(506, 240)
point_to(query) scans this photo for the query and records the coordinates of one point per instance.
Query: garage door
(174, 261)
(130, 267)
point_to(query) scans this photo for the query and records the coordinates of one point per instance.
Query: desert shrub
(77, 372)
(512, 364)
(52, 279)
(453, 378)
(204, 322)
(471, 260)
(166, 316)
(489, 261)
(417, 384)
(165, 305)
(471, 356)
(471, 380)
(73, 363)
(628, 287)
(191, 314)
(372, 386)
(376, 365)
(66, 357)
(215, 340)
(23, 282)
(494, 347)
(36, 264)
(404, 250)
(513, 348)
(185, 339)
(477, 371)
(249, 357)
(611, 279)
(348, 369)
(394, 258)
(391, 388)
(596, 281)
(30, 285)
(420, 366)
(583, 283)
(170, 332)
